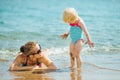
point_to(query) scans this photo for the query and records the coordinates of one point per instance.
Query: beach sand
(94, 67)
(33, 20)
(91, 73)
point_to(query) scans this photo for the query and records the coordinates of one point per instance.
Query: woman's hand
(37, 69)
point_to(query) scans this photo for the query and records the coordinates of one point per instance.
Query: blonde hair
(70, 15)
(29, 48)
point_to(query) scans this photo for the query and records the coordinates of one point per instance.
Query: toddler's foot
(79, 71)
(72, 69)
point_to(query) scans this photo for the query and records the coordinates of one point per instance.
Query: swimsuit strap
(37, 62)
(25, 64)
(75, 24)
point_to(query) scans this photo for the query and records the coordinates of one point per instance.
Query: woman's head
(30, 48)
(70, 15)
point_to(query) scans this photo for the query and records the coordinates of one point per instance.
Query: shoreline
(86, 74)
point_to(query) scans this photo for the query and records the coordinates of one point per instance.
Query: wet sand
(89, 70)
(93, 73)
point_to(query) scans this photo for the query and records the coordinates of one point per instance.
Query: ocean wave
(65, 50)
(7, 54)
(87, 50)
(102, 49)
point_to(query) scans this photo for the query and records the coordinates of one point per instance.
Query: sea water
(41, 21)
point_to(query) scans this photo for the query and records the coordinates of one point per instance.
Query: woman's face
(37, 49)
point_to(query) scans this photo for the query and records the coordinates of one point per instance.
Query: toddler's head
(70, 15)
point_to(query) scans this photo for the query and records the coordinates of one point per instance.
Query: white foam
(58, 50)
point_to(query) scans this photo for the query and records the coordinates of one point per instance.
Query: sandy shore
(66, 74)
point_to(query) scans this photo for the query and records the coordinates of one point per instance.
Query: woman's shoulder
(20, 56)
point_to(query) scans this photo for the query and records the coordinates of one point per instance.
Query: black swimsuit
(37, 62)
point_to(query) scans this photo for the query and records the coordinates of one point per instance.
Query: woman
(30, 57)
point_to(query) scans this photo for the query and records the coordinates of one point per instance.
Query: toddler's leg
(72, 55)
(78, 48)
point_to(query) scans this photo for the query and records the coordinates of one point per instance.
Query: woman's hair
(28, 48)
(22, 49)
(70, 15)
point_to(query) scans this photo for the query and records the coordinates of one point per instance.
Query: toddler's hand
(91, 44)
(64, 36)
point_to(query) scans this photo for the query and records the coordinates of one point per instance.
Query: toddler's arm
(83, 27)
(65, 35)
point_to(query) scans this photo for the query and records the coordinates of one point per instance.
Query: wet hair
(70, 15)
(22, 49)
(29, 48)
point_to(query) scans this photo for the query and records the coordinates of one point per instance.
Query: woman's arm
(43, 58)
(51, 66)
(16, 65)
(20, 68)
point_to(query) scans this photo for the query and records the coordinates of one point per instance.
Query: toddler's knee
(72, 56)
(77, 56)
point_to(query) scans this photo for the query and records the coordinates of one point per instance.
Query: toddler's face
(72, 19)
